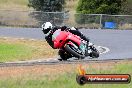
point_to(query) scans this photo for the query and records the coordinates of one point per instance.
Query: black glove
(63, 28)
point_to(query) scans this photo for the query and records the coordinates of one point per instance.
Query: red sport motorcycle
(71, 45)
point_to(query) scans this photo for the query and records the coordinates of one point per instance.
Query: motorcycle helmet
(73, 28)
(46, 27)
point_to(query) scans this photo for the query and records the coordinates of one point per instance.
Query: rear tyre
(94, 53)
(70, 49)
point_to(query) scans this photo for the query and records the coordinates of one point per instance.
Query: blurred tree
(100, 6)
(47, 5)
(127, 7)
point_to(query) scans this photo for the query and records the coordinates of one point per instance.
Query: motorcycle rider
(48, 30)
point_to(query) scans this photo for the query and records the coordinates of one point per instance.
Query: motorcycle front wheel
(73, 51)
(63, 55)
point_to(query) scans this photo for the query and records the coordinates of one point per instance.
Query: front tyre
(63, 55)
(73, 51)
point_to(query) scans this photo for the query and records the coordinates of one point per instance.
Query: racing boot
(85, 38)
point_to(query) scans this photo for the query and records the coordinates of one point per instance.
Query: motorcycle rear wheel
(94, 53)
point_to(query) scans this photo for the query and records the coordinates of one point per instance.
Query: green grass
(12, 49)
(13, 52)
(66, 80)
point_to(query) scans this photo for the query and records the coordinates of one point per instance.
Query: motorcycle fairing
(61, 37)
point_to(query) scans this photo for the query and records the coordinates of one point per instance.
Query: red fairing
(74, 38)
(60, 37)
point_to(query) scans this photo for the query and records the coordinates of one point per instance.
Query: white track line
(106, 49)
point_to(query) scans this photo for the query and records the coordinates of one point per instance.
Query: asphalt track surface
(118, 41)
